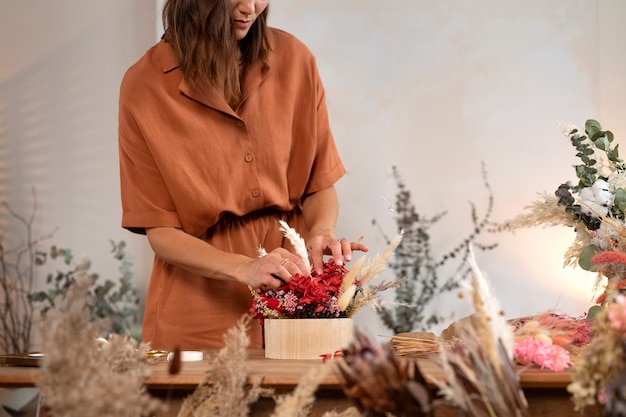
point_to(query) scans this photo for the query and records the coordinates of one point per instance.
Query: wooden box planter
(306, 338)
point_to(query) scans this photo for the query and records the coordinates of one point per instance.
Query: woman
(223, 131)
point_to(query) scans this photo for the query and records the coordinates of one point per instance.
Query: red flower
(314, 296)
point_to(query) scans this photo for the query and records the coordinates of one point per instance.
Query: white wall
(62, 63)
(435, 88)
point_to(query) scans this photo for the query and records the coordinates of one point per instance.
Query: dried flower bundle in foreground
(381, 383)
(336, 292)
(600, 371)
(84, 377)
(479, 375)
(224, 391)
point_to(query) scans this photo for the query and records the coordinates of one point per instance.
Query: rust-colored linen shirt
(188, 160)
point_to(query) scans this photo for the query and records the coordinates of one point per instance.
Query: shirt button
(256, 193)
(248, 158)
(239, 123)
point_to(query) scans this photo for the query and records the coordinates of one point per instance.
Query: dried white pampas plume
(489, 312)
(368, 295)
(479, 375)
(297, 242)
(83, 377)
(377, 265)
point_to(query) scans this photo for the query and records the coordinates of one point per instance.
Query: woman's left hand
(327, 244)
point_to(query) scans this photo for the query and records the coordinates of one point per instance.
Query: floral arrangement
(600, 370)
(594, 206)
(336, 292)
(550, 340)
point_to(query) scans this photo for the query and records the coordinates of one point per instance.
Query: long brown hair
(203, 39)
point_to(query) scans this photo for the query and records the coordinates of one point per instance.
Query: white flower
(597, 199)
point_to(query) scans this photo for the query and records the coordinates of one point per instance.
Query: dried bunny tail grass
(300, 401)
(350, 277)
(348, 286)
(377, 265)
(80, 375)
(346, 297)
(261, 251)
(297, 242)
(224, 391)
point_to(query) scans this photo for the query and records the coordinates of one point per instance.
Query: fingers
(278, 267)
(339, 249)
(358, 246)
(316, 253)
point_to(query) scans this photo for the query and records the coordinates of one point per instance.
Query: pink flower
(544, 354)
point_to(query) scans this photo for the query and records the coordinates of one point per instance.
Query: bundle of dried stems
(479, 375)
(224, 391)
(82, 376)
(419, 343)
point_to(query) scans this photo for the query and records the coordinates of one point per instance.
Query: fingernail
(348, 258)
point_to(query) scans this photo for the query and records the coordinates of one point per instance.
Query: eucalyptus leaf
(37, 296)
(592, 127)
(620, 199)
(602, 143)
(593, 312)
(584, 260)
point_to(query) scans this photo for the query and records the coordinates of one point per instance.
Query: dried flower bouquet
(335, 293)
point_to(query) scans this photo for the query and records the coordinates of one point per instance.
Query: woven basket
(306, 338)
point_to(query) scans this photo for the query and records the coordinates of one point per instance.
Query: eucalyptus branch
(415, 261)
(21, 304)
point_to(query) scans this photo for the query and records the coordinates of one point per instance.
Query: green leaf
(592, 128)
(620, 199)
(37, 296)
(593, 312)
(585, 257)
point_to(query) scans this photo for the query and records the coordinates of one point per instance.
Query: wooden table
(545, 390)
